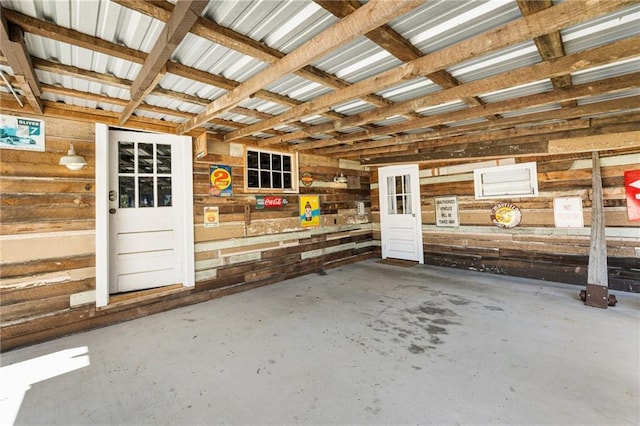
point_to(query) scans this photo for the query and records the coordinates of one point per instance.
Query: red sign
(632, 186)
(270, 201)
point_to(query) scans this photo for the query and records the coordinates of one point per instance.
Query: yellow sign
(211, 217)
(309, 211)
(506, 215)
(220, 181)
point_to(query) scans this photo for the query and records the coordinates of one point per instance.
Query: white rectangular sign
(446, 211)
(21, 133)
(567, 212)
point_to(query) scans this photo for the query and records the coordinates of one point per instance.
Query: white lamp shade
(72, 161)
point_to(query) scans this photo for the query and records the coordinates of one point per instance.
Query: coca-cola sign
(270, 201)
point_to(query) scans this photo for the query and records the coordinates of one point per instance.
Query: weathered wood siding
(47, 225)
(47, 238)
(535, 248)
(269, 244)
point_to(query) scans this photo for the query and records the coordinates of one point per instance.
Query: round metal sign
(506, 215)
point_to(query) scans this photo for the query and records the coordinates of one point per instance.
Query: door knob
(112, 211)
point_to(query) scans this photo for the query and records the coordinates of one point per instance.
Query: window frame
(294, 171)
(499, 175)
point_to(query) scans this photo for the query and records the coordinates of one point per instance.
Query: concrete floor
(367, 343)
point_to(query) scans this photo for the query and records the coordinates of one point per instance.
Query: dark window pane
(265, 179)
(265, 161)
(127, 191)
(252, 179)
(276, 162)
(407, 184)
(164, 192)
(277, 179)
(399, 185)
(286, 180)
(252, 159)
(145, 158)
(163, 159)
(286, 163)
(145, 192)
(399, 204)
(126, 157)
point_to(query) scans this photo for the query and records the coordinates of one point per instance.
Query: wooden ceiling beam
(55, 32)
(552, 19)
(76, 38)
(134, 103)
(387, 38)
(182, 18)
(590, 58)
(372, 15)
(477, 137)
(530, 146)
(13, 46)
(531, 120)
(608, 86)
(209, 30)
(91, 115)
(75, 72)
(550, 46)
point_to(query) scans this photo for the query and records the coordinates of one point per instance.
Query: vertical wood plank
(598, 248)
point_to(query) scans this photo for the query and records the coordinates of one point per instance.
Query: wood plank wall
(536, 248)
(47, 238)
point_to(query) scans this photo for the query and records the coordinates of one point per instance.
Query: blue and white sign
(21, 133)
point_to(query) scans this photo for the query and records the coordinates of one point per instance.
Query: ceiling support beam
(586, 59)
(387, 38)
(209, 30)
(184, 15)
(507, 143)
(550, 46)
(608, 86)
(426, 139)
(13, 46)
(551, 19)
(372, 15)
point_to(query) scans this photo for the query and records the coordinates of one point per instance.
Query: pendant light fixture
(72, 161)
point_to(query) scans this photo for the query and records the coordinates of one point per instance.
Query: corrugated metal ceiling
(283, 26)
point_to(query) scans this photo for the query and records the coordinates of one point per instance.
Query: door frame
(185, 163)
(414, 171)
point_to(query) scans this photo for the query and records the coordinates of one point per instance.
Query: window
(144, 175)
(517, 180)
(270, 170)
(399, 194)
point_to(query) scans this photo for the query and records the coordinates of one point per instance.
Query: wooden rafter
(552, 19)
(209, 30)
(372, 15)
(550, 46)
(608, 86)
(590, 58)
(358, 136)
(75, 72)
(182, 18)
(426, 139)
(55, 32)
(387, 38)
(504, 143)
(13, 46)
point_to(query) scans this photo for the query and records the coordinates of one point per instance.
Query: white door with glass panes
(400, 215)
(145, 224)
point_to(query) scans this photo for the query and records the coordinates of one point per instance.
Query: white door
(146, 224)
(400, 216)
